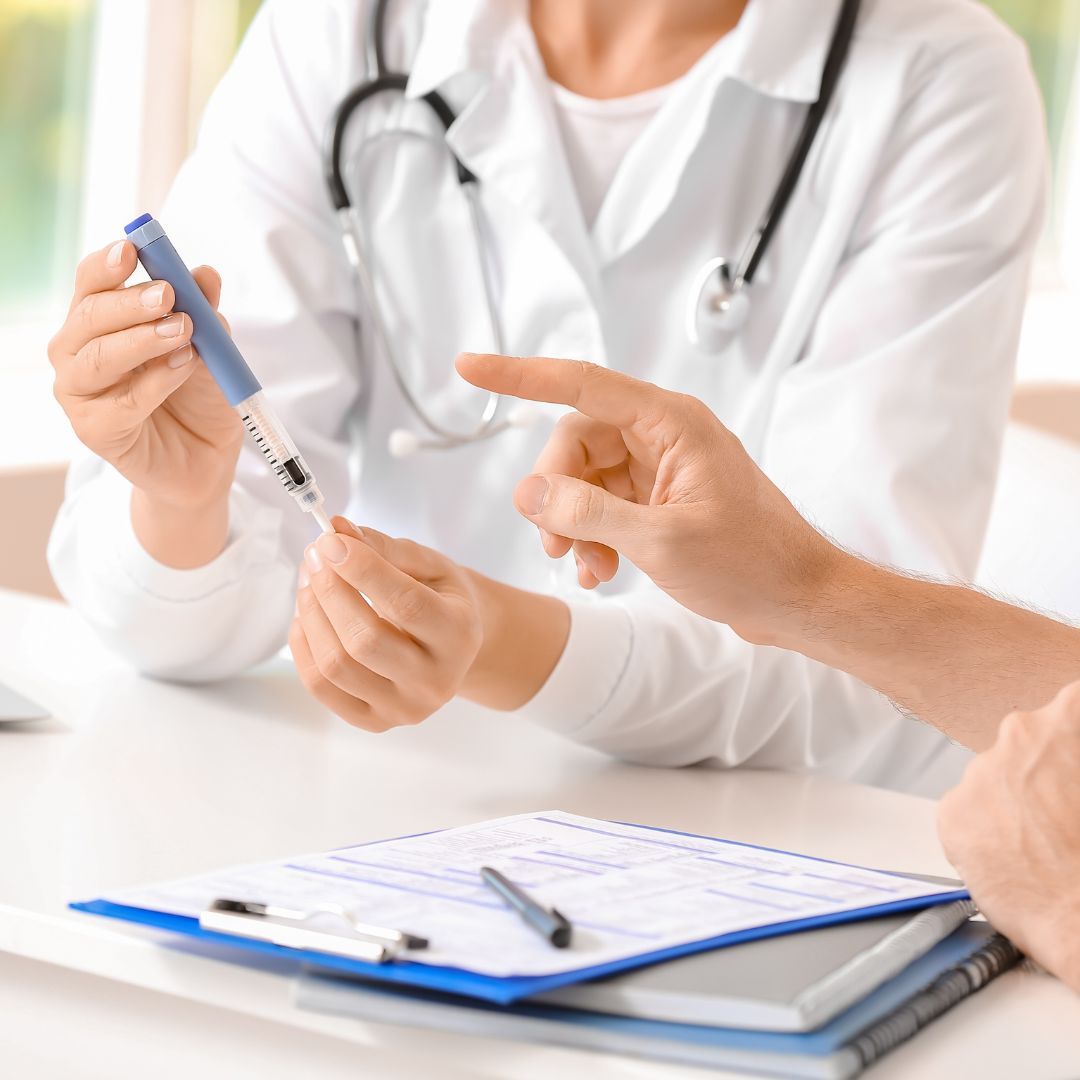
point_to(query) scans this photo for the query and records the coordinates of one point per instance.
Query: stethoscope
(718, 300)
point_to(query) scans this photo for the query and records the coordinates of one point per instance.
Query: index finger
(105, 269)
(410, 605)
(604, 395)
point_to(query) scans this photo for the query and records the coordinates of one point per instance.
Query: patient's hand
(657, 477)
(397, 656)
(1012, 830)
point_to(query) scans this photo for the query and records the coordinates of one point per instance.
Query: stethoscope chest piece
(717, 307)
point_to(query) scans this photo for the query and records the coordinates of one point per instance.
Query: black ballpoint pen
(550, 925)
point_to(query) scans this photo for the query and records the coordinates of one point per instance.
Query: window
(1050, 345)
(79, 156)
(1051, 29)
(44, 71)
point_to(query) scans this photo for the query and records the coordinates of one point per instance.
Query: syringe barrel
(216, 347)
(273, 442)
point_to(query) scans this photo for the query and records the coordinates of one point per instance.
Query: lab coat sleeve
(886, 433)
(251, 202)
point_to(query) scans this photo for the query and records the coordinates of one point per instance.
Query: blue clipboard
(496, 989)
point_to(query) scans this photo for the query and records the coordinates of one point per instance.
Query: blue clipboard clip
(285, 927)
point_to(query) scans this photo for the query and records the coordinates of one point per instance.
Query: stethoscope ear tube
(404, 443)
(843, 32)
(339, 123)
(439, 437)
(333, 151)
(714, 315)
(384, 81)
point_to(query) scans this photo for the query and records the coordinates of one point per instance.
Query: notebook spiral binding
(996, 957)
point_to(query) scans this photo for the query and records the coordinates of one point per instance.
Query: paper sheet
(627, 889)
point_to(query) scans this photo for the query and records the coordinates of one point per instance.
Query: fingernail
(580, 564)
(115, 254)
(302, 579)
(151, 298)
(333, 547)
(313, 559)
(182, 356)
(530, 495)
(173, 326)
(296, 610)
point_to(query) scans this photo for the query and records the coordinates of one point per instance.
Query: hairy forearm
(952, 656)
(524, 636)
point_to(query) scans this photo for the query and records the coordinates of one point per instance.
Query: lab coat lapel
(778, 49)
(507, 134)
(648, 178)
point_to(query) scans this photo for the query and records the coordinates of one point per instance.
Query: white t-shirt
(597, 134)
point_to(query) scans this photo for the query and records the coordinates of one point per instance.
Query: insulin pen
(220, 354)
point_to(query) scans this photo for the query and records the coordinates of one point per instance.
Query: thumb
(209, 280)
(578, 510)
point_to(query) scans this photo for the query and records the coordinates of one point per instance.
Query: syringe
(220, 354)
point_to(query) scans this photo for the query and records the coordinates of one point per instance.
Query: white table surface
(134, 781)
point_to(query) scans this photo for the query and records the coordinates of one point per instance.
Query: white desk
(135, 781)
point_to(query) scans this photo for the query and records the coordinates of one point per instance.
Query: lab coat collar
(778, 48)
(460, 36)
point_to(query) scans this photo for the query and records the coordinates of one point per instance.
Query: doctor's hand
(138, 396)
(656, 476)
(1010, 829)
(398, 655)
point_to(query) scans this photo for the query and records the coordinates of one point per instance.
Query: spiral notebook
(952, 971)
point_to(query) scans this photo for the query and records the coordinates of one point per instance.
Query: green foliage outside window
(45, 57)
(44, 74)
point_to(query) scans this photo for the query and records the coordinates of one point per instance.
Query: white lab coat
(871, 380)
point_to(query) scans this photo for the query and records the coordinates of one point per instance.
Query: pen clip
(238, 915)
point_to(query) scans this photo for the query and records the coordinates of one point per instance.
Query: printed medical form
(627, 889)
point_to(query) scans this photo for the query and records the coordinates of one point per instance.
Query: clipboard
(500, 989)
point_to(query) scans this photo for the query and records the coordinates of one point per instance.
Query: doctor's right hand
(136, 392)
(656, 476)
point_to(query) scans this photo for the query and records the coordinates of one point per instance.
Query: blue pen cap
(141, 220)
(216, 347)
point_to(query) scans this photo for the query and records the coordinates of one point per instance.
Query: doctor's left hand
(397, 659)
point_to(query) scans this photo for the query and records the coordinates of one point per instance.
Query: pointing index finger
(609, 396)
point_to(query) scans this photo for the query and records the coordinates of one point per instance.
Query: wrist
(524, 636)
(1063, 945)
(182, 535)
(819, 587)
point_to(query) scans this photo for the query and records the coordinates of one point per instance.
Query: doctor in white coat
(618, 147)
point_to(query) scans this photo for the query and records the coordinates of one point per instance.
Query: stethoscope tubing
(734, 277)
(359, 255)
